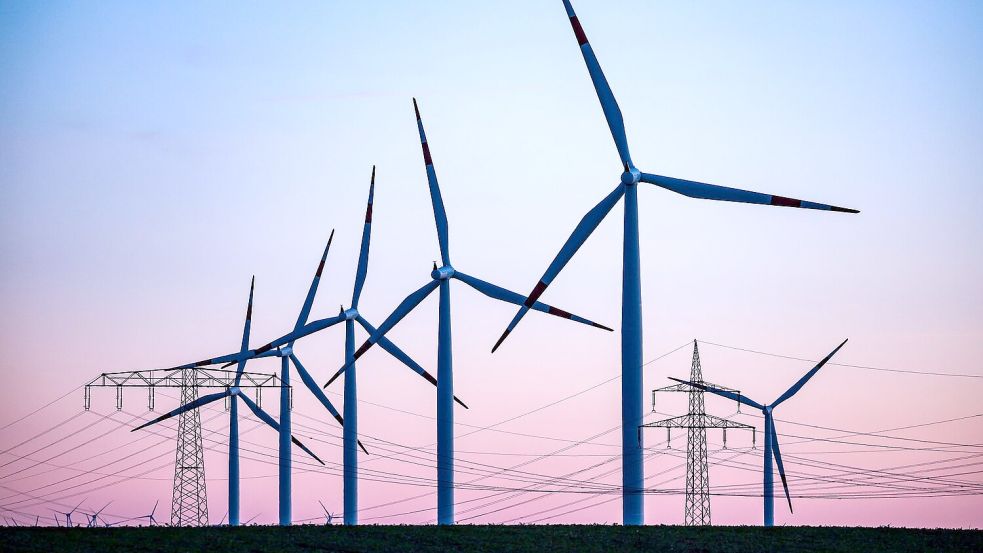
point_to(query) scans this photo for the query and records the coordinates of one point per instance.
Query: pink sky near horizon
(151, 165)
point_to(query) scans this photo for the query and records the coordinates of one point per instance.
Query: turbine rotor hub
(442, 273)
(235, 391)
(350, 313)
(285, 351)
(630, 176)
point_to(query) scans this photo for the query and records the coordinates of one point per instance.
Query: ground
(538, 539)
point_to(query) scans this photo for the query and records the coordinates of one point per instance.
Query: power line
(864, 367)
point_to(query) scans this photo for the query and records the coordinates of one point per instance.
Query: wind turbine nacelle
(350, 314)
(285, 351)
(442, 273)
(235, 391)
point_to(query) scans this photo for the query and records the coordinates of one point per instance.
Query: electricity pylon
(189, 502)
(696, 422)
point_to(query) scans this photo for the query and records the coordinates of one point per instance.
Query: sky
(155, 156)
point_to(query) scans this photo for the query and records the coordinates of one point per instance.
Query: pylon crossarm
(688, 388)
(206, 378)
(682, 421)
(714, 421)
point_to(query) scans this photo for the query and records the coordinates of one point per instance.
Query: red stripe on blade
(536, 292)
(426, 154)
(559, 313)
(578, 30)
(785, 202)
(368, 214)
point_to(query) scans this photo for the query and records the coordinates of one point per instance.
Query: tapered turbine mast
(771, 435)
(633, 478)
(440, 277)
(350, 316)
(234, 394)
(283, 347)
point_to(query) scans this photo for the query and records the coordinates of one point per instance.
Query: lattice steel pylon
(696, 422)
(189, 502)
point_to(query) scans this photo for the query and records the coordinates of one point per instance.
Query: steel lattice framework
(189, 502)
(696, 421)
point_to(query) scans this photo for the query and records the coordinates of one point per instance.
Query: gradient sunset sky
(153, 157)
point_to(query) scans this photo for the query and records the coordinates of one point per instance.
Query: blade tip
(501, 340)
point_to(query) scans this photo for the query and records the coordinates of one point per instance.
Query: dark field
(538, 539)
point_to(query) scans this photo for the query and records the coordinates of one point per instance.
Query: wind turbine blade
(305, 311)
(393, 349)
(231, 359)
(705, 191)
(439, 214)
(497, 292)
(403, 309)
(245, 333)
(798, 385)
(249, 317)
(612, 113)
(313, 387)
(308, 329)
(99, 512)
(580, 234)
(739, 398)
(305, 448)
(203, 400)
(778, 461)
(268, 353)
(269, 420)
(363, 254)
(260, 413)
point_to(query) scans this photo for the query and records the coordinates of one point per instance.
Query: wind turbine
(771, 436)
(350, 316)
(68, 515)
(94, 518)
(234, 393)
(150, 518)
(328, 516)
(283, 347)
(440, 277)
(633, 479)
